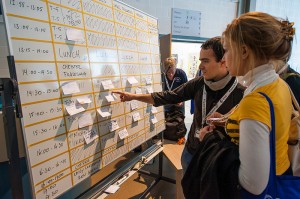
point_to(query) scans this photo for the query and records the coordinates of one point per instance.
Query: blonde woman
(254, 44)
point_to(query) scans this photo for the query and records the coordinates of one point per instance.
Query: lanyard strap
(220, 102)
(167, 83)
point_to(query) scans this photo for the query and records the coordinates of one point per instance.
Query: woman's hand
(125, 96)
(204, 131)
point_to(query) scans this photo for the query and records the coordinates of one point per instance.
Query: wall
(286, 10)
(216, 14)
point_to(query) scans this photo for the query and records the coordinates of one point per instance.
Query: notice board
(186, 22)
(69, 57)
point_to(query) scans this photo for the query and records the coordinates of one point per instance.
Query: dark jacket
(213, 171)
(193, 89)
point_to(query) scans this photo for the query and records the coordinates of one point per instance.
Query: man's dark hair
(216, 45)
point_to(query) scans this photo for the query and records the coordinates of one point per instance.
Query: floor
(136, 185)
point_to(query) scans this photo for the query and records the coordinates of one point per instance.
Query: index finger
(117, 92)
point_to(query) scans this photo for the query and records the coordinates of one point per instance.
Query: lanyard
(220, 102)
(167, 83)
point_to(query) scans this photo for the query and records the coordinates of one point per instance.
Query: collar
(258, 77)
(219, 84)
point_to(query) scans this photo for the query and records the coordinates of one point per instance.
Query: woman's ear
(245, 52)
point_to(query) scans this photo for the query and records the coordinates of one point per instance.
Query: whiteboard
(70, 55)
(186, 22)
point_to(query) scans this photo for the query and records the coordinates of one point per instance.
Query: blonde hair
(169, 62)
(268, 38)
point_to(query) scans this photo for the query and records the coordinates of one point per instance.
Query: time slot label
(84, 151)
(24, 28)
(30, 50)
(65, 16)
(39, 91)
(55, 189)
(73, 71)
(49, 168)
(98, 9)
(71, 53)
(28, 72)
(41, 111)
(47, 149)
(28, 8)
(46, 130)
(51, 180)
(86, 171)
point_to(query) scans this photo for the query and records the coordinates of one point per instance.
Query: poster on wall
(186, 22)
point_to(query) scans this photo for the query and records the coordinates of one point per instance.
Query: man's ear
(245, 52)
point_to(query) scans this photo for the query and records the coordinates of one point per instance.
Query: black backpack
(175, 127)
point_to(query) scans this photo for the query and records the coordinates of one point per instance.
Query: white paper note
(110, 98)
(84, 100)
(104, 112)
(90, 135)
(75, 35)
(134, 104)
(112, 189)
(74, 109)
(138, 91)
(148, 80)
(107, 84)
(123, 133)
(136, 116)
(85, 120)
(70, 88)
(150, 89)
(113, 125)
(153, 109)
(132, 80)
(153, 119)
